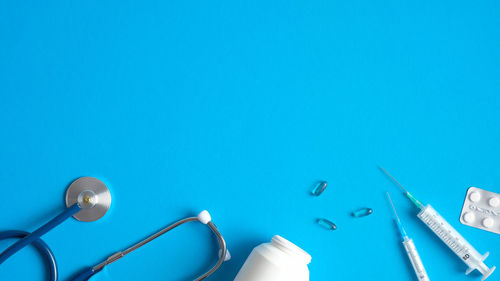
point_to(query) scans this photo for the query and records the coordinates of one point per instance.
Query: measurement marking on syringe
(449, 236)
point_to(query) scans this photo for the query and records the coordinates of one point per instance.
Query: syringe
(410, 248)
(472, 258)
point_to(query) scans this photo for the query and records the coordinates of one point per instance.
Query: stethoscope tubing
(222, 246)
(37, 234)
(35, 239)
(41, 246)
(87, 273)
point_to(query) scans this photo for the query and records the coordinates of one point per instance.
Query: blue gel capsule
(363, 212)
(326, 224)
(319, 188)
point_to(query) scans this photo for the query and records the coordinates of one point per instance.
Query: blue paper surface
(239, 107)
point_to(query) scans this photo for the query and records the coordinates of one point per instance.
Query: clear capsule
(326, 224)
(363, 212)
(319, 188)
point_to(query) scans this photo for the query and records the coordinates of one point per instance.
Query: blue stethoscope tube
(85, 274)
(35, 239)
(41, 246)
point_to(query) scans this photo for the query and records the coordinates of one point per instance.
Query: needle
(392, 205)
(382, 168)
(402, 230)
(411, 197)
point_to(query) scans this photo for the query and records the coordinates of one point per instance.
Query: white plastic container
(280, 260)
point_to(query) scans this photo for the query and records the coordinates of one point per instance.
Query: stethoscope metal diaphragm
(91, 195)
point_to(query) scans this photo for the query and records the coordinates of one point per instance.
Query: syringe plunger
(472, 258)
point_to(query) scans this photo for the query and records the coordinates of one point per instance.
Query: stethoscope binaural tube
(203, 217)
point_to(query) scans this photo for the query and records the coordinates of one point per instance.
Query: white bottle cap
(290, 248)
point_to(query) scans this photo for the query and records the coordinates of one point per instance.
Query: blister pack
(481, 210)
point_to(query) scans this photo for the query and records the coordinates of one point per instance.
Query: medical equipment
(203, 217)
(280, 260)
(327, 224)
(449, 236)
(363, 212)
(410, 248)
(87, 199)
(319, 188)
(481, 210)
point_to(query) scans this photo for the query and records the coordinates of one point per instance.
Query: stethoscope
(88, 199)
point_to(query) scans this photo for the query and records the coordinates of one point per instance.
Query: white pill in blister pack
(481, 210)
(493, 202)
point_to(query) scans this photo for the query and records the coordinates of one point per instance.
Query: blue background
(239, 107)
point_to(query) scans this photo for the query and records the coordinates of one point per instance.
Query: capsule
(363, 212)
(326, 224)
(319, 188)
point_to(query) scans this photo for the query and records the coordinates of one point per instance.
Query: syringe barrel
(415, 260)
(453, 240)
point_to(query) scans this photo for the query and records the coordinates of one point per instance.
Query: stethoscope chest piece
(92, 196)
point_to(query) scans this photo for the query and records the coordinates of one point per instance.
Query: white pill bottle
(280, 260)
